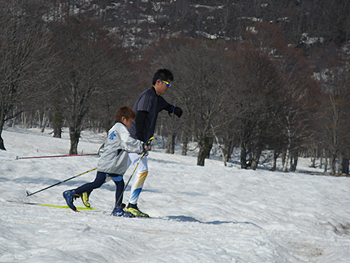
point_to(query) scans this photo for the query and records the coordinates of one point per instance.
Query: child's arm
(132, 145)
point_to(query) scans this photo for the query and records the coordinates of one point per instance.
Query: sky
(198, 214)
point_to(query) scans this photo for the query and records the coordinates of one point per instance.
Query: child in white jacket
(113, 161)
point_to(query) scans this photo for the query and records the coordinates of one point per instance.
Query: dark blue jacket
(147, 107)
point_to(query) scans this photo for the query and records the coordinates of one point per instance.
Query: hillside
(310, 25)
(203, 214)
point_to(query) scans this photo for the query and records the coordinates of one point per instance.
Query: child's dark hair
(162, 74)
(124, 111)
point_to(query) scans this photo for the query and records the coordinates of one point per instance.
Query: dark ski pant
(100, 180)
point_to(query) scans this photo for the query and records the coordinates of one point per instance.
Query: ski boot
(134, 210)
(85, 199)
(68, 196)
(118, 211)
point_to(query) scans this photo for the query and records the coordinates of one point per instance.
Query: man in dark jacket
(147, 106)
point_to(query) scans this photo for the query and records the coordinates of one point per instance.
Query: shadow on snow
(192, 219)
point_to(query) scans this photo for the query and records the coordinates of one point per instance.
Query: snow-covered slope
(199, 214)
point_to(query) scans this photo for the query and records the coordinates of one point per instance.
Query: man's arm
(140, 121)
(173, 109)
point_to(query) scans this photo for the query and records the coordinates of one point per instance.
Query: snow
(310, 40)
(199, 214)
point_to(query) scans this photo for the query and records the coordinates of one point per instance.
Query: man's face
(162, 86)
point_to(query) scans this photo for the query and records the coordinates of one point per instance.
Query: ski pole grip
(150, 140)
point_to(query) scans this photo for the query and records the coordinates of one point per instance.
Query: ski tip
(28, 193)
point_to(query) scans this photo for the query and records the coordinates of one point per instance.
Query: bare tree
(87, 58)
(257, 81)
(334, 123)
(200, 87)
(290, 91)
(23, 48)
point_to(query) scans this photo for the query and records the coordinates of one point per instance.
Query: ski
(61, 206)
(55, 206)
(79, 208)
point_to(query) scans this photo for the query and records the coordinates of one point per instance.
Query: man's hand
(178, 111)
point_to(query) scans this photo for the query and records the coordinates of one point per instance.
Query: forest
(254, 75)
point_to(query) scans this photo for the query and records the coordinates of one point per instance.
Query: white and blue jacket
(114, 158)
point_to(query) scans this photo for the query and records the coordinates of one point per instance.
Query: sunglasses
(167, 83)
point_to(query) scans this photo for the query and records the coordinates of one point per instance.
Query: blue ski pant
(99, 181)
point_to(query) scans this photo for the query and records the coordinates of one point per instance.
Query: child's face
(127, 122)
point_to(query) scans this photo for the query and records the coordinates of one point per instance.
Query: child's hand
(148, 147)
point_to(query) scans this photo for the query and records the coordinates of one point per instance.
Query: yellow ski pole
(137, 164)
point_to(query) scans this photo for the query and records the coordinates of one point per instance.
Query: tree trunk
(340, 162)
(255, 159)
(208, 145)
(171, 144)
(286, 160)
(74, 135)
(227, 151)
(313, 159)
(2, 146)
(243, 157)
(275, 156)
(325, 165)
(41, 114)
(284, 157)
(333, 165)
(294, 161)
(57, 124)
(202, 153)
(313, 162)
(184, 145)
(204, 145)
(44, 125)
(345, 166)
(324, 155)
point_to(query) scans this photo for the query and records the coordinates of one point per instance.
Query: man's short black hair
(162, 74)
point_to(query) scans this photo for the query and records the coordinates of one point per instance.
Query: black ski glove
(177, 111)
(173, 109)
